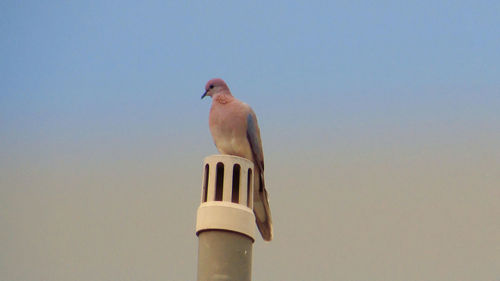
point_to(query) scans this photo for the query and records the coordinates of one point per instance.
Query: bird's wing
(253, 136)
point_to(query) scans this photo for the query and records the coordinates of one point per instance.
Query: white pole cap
(227, 195)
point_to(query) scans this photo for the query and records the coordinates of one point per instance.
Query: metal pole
(225, 221)
(224, 255)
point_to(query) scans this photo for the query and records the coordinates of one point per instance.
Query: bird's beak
(204, 94)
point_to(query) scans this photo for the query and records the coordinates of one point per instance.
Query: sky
(380, 122)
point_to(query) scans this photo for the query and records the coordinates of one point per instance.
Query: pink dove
(235, 131)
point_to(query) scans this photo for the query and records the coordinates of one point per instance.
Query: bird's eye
(211, 86)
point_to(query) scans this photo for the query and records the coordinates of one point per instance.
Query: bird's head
(216, 86)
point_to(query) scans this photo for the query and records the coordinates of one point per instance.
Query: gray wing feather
(253, 136)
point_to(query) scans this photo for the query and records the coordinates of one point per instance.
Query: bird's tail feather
(263, 212)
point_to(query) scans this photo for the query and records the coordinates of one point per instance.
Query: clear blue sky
(104, 97)
(113, 57)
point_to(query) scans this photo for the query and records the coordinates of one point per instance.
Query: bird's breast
(229, 133)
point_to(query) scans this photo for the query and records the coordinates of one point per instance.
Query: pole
(225, 222)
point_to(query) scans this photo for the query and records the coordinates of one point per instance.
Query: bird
(235, 131)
